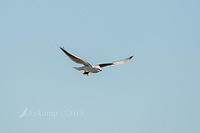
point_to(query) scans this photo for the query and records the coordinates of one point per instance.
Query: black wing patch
(106, 64)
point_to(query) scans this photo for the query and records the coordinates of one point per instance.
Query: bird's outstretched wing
(74, 58)
(116, 62)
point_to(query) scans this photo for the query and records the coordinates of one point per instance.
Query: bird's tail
(78, 68)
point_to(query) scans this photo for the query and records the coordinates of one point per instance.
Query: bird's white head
(98, 68)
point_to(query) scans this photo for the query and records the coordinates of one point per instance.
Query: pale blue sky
(157, 92)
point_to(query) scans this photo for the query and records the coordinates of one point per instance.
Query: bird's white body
(92, 69)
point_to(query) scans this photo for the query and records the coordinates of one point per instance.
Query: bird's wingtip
(62, 48)
(131, 57)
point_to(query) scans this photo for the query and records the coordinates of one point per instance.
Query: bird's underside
(88, 68)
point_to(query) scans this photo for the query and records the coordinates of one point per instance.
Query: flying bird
(88, 68)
